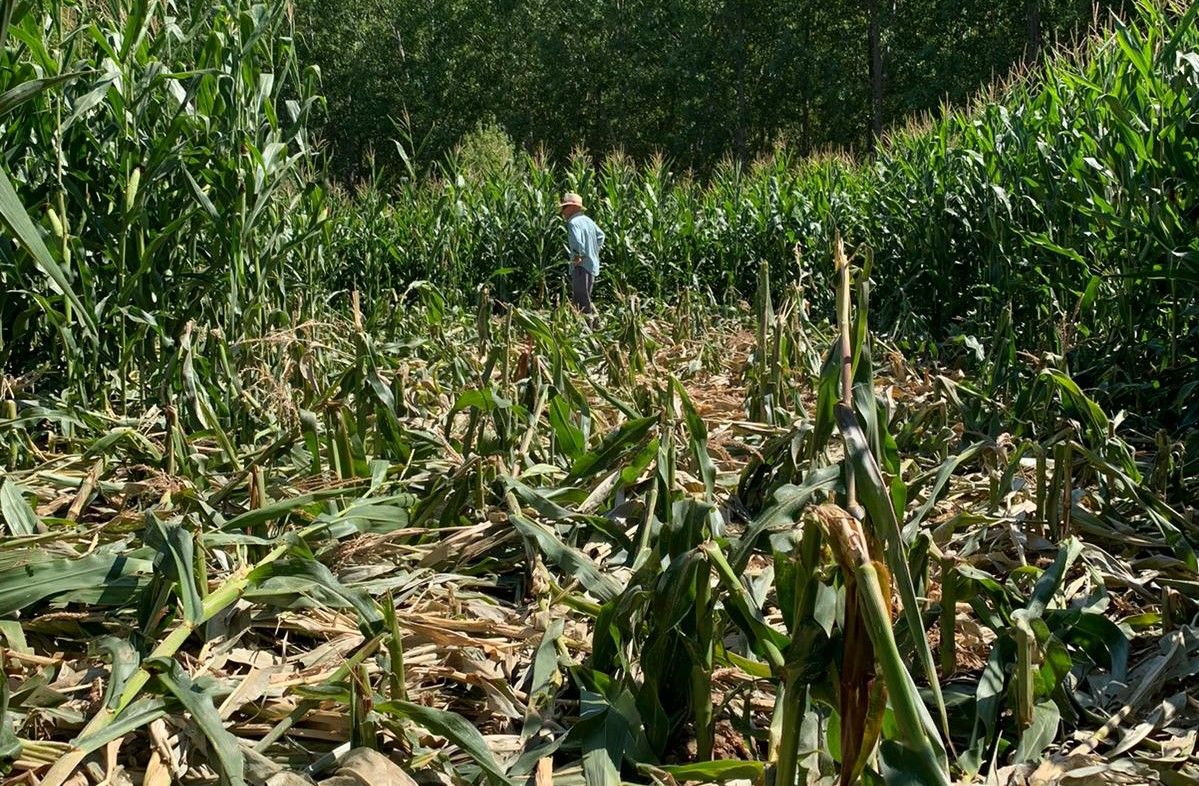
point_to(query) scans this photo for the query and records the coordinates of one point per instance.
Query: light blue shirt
(585, 240)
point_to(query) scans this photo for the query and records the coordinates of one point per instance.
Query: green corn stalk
(1042, 480)
(949, 599)
(310, 428)
(841, 264)
(14, 441)
(396, 675)
(878, 514)
(765, 317)
(701, 670)
(483, 319)
(915, 728)
(1064, 463)
(794, 691)
(1024, 686)
(363, 732)
(774, 389)
(1056, 495)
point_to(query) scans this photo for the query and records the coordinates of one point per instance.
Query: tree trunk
(805, 139)
(739, 71)
(805, 144)
(876, 75)
(1032, 46)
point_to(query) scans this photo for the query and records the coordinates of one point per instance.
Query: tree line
(695, 80)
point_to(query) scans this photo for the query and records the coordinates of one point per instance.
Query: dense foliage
(694, 80)
(160, 155)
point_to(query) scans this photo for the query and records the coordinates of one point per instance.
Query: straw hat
(571, 198)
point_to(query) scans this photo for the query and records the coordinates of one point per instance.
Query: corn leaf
(177, 560)
(16, 220)
(569, 436)
(615, 446)
(10, 746)
(454, 728)
(17, 513)
(139, 713)
(574, 562)
(1041, 734)
(124, 661)
(41, 578)
(300, 577)
(698, 432)
(198, 703)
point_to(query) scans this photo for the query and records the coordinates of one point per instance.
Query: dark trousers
(581, 283)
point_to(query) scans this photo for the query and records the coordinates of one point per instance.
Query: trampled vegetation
(289, 475)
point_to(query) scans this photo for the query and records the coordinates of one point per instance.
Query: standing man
(585, 240)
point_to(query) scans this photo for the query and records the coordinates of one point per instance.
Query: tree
(1033, 46)
(876, 73)
(694, 79)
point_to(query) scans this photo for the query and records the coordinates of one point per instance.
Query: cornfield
(1060, 215)
(307, 485)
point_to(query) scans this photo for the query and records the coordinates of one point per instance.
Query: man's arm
(599, 237)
